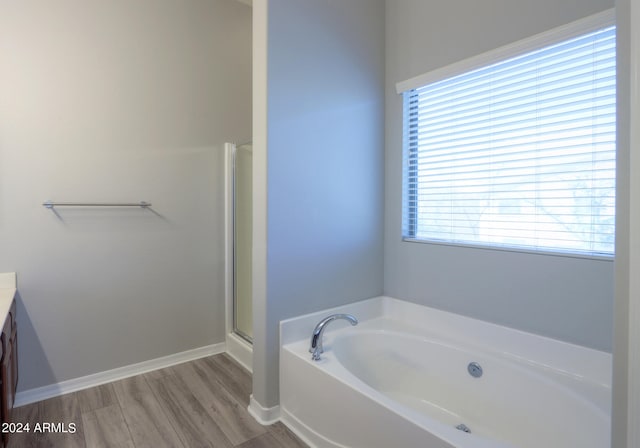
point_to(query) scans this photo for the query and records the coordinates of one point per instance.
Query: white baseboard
(96, 379)
(264, 416)
(240, 350)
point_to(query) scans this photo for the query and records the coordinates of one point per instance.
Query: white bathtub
(400, 379)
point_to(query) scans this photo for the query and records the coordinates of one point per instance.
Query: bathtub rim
(574, 360)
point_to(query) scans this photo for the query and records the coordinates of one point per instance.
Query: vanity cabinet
(8, 367)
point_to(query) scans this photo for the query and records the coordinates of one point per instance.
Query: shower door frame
(234, 166)
(239, 346)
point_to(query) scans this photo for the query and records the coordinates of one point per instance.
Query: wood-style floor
(202, 403)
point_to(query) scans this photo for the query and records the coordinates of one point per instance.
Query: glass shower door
(242, 242)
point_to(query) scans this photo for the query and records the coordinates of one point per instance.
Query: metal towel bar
(51, 204)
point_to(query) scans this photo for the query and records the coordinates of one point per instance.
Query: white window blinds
(517, 154)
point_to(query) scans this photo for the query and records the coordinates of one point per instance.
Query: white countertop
(7, 292)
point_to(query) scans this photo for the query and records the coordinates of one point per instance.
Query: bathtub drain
(463, 427)
(474, 369)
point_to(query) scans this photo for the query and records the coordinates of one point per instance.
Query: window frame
(566, 32)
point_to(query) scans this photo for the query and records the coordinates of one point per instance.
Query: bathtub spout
(316, 337)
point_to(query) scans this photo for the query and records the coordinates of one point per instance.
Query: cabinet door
(14, 362)
(6, 378)
(13, 341)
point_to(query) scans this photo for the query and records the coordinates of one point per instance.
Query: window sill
(596, 257)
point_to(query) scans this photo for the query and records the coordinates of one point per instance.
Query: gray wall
(325, 166)
(565, 298)
(117, 101)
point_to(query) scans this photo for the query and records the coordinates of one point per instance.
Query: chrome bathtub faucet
(316, 338)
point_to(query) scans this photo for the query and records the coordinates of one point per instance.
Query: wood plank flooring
(201, 403)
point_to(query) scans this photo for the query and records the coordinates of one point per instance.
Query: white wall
(318, 153)
(565, 298)
(117, 101)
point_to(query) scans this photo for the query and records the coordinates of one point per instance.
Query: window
(518, 153)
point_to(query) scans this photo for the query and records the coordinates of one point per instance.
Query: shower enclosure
(242, 319)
